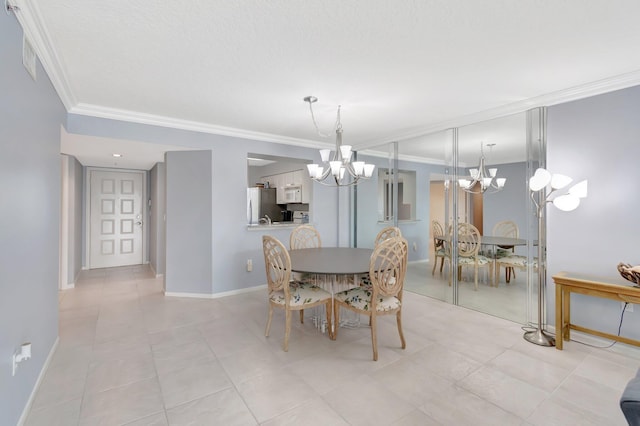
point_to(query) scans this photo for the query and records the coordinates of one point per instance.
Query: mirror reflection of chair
(387, 270)
(505, 255)
(469, 242)
(286, 294)
(438, 245)
(505, 228)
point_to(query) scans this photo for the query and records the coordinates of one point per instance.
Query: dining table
(335, 266)
(331, 260)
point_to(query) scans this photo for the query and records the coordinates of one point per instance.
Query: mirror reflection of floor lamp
(570, 201)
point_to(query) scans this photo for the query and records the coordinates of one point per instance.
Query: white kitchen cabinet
(298, 177)
(278, 183)
(307, 187)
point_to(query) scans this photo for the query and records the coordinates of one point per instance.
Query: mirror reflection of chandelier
(337, 168)
(482, 179)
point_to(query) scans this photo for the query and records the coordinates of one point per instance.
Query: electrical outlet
(249, 265)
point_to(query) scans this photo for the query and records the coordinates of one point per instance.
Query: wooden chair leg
(374, 337)
(328, 312)
(336, 320)
(433, 271)
(269, 316)
(301, 316)
(399, 321)
(287, 329)
(441, 264)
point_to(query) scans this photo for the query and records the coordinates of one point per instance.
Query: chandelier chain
(338, 124)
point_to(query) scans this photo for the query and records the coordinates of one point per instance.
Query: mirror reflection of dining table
(493, 242)
(335, 267)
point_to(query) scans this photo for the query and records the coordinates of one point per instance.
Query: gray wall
(229, 188)
(30, 118)
(188, 225)
(156, 218)
(414, 231)
(596, 139)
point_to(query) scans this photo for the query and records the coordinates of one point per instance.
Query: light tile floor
(129, 355)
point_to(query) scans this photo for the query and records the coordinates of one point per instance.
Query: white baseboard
(157, 275)
(216, 295)
(27, 407)
(68, 286)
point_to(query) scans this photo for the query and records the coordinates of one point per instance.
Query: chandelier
(337, 168)
(481, 180)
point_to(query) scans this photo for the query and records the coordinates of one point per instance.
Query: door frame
(87, 211)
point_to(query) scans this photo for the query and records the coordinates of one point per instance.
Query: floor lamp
(538, 184)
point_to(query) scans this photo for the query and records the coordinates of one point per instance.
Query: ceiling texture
(399, 69)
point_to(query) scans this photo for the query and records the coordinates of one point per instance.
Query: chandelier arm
(333, 184)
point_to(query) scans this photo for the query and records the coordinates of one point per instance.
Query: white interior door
(116, 214)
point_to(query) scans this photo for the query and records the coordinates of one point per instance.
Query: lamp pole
(566, 202)
(538, 336)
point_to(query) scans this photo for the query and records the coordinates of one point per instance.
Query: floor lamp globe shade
(579, 189)
(539, 180)
(560, 181)
(567, 202)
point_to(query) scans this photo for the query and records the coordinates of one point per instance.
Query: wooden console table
(614, 289)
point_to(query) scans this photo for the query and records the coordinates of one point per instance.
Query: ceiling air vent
(28, 57)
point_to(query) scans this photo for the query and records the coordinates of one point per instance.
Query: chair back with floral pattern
(388, 267)
(277, 264)
(304, 236)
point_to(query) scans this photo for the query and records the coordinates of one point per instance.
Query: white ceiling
(398, 68)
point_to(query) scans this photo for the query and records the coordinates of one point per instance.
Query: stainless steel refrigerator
(261, 202)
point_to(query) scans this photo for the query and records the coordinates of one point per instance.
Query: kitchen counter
(273, 225)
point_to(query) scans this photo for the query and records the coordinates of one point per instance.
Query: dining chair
(383, 235)
(387, 269)
(469, 243)
(386, 233)
(286, 294)
(438, 245)
(304, 236)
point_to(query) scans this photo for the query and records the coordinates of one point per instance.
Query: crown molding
(575, 93)
(196, 126)
(29, 17)
(36, 32)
